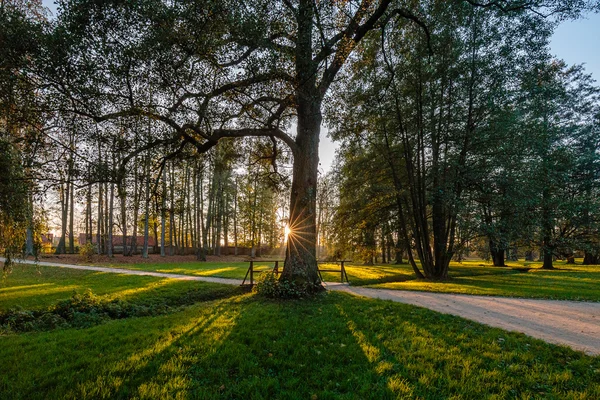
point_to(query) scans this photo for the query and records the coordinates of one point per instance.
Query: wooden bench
(251, 270)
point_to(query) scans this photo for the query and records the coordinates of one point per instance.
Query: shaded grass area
(335, 346)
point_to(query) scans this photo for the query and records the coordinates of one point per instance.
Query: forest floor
(571, 323)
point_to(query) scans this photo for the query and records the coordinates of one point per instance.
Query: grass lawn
(519, 279)
(33, 288)
(240, 346)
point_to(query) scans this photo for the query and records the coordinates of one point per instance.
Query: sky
(576, 42)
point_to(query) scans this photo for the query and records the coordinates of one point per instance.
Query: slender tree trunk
(110, 247)
(547, 226)
(122, 191)
(235, 221)
(147, 207)
(99, 247)
(201, 255)
(64, 203)
(88, 215)
(172, 212)
(71, 218)
(136, 208)
(163, 213)
(106, 218)
(29, 242)
(383, 259)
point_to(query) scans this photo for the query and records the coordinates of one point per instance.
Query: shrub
(87, 309)
(268, 285)
(86, 251)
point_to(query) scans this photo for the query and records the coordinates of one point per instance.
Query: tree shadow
(425, 354)
(332, 346)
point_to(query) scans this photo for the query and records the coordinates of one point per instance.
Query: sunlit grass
(31, 287)
(519, 279)
(567, 282)
(333, 347)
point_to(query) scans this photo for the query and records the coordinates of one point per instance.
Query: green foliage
(13, 201)
(269, 285)
(87, 251)
(87, 309)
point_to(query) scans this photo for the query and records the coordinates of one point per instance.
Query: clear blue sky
(576, 42)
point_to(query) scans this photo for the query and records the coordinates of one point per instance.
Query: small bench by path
(570, 323)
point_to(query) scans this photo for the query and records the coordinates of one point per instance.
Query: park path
(570, 323)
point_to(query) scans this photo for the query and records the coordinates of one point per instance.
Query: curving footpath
(570, 323)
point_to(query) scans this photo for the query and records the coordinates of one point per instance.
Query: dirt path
(570, 323)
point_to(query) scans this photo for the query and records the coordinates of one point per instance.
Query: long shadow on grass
(429, 355)
(249, 348)
(384, 279)
(335, 346)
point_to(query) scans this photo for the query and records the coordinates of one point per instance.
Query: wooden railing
(251, 270)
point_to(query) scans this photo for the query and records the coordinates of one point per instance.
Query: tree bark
(497, 253)
(163, 213)
(301, 263)
(590, 258)
(71, 218)
(109, 248)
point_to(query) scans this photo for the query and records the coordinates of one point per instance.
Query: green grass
(519, 279)
(34, 288)
(333, 347)
(240, 346)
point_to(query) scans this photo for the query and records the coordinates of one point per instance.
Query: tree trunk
(147, 206)
(109, 248)
(64, 203)
(136, 208)
(383, 259)
(71, 218)
(100, 219)
(163, 214)
(529, 255)
(301, 263)
(235, 229)
(591, 258)
(122, 191)
(548, 257)
(497, 253)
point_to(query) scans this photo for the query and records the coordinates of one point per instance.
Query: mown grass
(333, 347)
(518, 279)
(37, 287)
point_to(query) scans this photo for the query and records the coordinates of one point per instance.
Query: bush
(87, 251)
(87, 309)
(268, 285)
